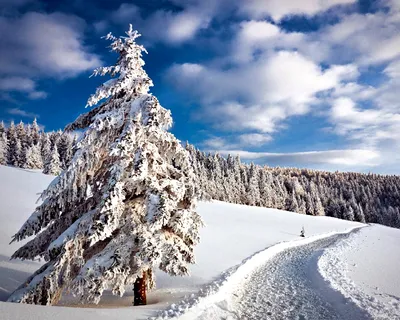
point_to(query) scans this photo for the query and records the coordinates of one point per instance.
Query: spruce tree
(15, 150)
(3, 148)
(45, 146)
(53, 164)
(2, 128)
(11, 130)
(126, 203)
(35, 132)
(20, 130)
(65, 149)
(12, 141)
(33, 158)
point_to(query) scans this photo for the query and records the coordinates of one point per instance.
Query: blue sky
(306, 83)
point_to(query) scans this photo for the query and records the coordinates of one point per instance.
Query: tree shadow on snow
(11, 279)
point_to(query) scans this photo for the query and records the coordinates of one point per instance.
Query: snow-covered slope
(19, 190)
(365, 268)
(232, 234)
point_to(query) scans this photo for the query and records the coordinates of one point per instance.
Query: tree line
(345, 195)
(27, 146)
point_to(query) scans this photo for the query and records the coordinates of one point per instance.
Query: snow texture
(365, 268)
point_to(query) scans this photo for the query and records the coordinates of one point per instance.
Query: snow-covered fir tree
(11, 130)
(20, 131)
(53, 164)
(35, 132)
(3, 148)
(124, 206)
(2, 128)
(65, 149)
(45, 147)
(33, 158)
(15, 152)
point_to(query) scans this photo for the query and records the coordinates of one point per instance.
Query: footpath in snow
(280, 282)
(232, 234)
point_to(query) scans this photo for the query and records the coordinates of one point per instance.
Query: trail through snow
(280, 282)
(289, 286)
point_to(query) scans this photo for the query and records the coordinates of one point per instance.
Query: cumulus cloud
(270, 89)
(268, 75)
(364, 39)
(393, 69)
(372, 128)
(167, 26)
(370, 38)
(185, 25)
(277, 9)
(37, 45)
(45, 44)
(354, 91)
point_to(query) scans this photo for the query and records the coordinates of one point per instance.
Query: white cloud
(252, 37)
(164, 25)
(185, 25)
(21, 84)
(37, 45)
(17, 83)
(368, 39)
(278, 9)
(215, 143)
(237, 117)
(267, 75)
(254, 139)
(240, 141)
(23, 113)
(393, 69)
(257, 37)
(363, 39)
(45, 44)
(37, 95)
(353, 157)
(344, 109)
(355, 91)
(373, 128)
(269, 89)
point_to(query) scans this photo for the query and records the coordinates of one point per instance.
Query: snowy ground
(365, 268)
(233, 234)
(286, 286)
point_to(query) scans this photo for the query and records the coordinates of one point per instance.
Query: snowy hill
(232, 234)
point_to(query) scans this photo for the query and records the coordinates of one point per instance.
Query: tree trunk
(139, 291)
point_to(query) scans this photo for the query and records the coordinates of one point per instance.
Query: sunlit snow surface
(366, 268)
(232, 234)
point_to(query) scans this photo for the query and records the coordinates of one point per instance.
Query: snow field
(216, 295)
(232, 234)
